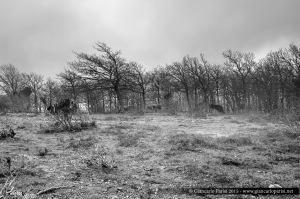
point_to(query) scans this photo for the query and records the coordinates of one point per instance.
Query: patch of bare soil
(148, 156)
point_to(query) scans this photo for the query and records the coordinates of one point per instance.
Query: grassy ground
(148, 156)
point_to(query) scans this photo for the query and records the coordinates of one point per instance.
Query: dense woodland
(106, 82)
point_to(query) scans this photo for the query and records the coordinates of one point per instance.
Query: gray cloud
(40, 36)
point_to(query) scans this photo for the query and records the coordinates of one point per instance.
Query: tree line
(106, 82)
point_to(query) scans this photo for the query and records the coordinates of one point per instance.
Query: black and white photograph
(149, 99)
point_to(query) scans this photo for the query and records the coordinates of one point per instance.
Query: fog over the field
(40, 35)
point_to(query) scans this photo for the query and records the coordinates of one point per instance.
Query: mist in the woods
(105, 82)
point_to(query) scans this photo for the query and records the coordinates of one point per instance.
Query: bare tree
(201, 71)
(139, 80)
(107, 71)
(192, 67)
(5, 103)
(10, 80)
(291, 58)
(155, 78)
(11, 84)
(179, 72)
(35, 82)
(217, 74)
(71, 82)
(241, 64)
(51, 91)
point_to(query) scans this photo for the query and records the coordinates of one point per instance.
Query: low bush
(68, 122)
(99, 159)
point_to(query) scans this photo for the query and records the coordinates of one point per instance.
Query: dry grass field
(147, 156)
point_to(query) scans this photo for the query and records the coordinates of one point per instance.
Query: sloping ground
(148, 156)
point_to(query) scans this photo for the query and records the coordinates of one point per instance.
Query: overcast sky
(40, 35)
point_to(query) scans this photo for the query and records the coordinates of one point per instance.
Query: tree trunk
(88, 101)
(187, 94)
(110, 100)
(144, 99)
(120, 99)
(103, 104)
(196, 97)
(35, 102)
(158, 95)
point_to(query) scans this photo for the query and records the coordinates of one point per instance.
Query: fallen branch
(51, 189)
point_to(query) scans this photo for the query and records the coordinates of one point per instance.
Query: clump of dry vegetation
(82, 143)
(128, 140)
(245, 162)
(236, 140)
(185, 142)
(123, 126)
(100, 159)
(151, 128)
(225, 177)
(7, 133)
(112, 130)
(42, 152)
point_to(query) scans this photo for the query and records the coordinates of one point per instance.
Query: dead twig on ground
(51, 189)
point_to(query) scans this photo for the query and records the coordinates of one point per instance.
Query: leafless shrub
(99, 159)
(68, 122)
(64, 121)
